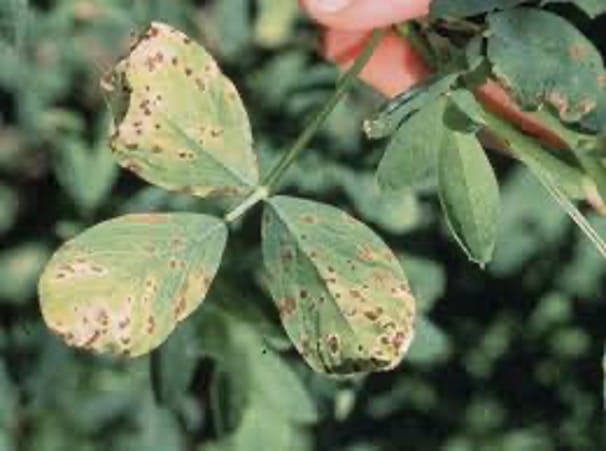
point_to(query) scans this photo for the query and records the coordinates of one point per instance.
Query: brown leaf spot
(399, 340)
(371, 315)
(286, 256)
(200, 84)
(88, 343)
(366, 253)
(180, 308)
(578, 52)
(102, 318)
(133, 167)
(308, 219)
(303, 294)
(145, 218)
(287, 307)
(333, 343)
(151, 325)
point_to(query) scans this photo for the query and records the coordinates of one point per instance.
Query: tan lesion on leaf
(334, 343)
(578, 51)
(367, 253)
(309, 219)
(79, 268)
(287, 307)
(145, 218)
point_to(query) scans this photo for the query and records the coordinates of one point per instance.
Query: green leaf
(465, 8)
(592, 8)
(566, 71)
(428, 277)
(173, 366)
(469, 194)
(20, 268)
(87, 174)
(9, 208)
(260, 430)
(343, 298)
(397, 110)
(9, 401)
(431, 344)
(411, 157)
(157, 430)
(275, 22)
(179, 122)
(123, 285)
(249, 373)
(466, 104)
(531, 222)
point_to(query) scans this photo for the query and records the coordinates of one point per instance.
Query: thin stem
(411, 32)
(276, 173)
(528, 151)
(257, 195)
(573, 212)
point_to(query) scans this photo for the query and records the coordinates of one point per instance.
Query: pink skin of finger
(395, 67)
(364, 14)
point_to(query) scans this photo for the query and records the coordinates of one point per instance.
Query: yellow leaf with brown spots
(179, 123)
(342, 295)
(123, 285)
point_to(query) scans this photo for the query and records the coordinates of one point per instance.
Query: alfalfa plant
(122, 286)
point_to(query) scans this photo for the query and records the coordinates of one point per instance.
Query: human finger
(364, 14)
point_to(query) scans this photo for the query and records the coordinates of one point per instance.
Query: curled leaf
(179, 122)
(342, 295)
(123, 285)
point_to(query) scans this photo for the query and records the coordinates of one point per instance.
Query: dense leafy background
(508, 358)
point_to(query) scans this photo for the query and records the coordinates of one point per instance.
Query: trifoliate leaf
(123, 285)
(342, 295)
(179, 122)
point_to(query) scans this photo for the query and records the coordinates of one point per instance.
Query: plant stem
(411, 32)
(257, 195)
(276, 173)
(541, 164)
(279, 169)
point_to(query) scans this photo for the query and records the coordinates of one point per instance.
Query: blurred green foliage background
(504, 359)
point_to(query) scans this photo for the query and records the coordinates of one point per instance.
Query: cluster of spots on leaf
(353, 304)
(177, 100)
(106, 292)
(79, 268)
